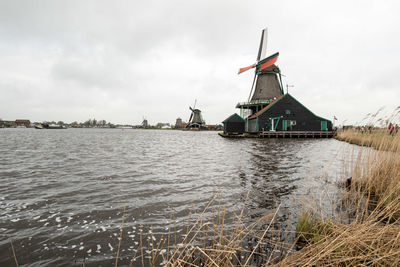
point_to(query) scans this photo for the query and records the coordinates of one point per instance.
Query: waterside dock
(296, 134)
(283, 134)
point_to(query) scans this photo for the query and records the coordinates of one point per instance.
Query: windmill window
(287, 111)
(303, 123)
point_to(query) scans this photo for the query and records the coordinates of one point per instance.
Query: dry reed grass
(372, 199)
(365, 243)
(13, 251)
(375, 173)
(209, 242)
(378, 138)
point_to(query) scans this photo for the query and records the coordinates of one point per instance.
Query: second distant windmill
(196, 121)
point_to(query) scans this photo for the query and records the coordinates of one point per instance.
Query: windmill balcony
(253, 103)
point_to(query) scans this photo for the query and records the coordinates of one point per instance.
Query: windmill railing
(253, 103)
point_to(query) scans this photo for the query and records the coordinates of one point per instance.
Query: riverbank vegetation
(378, 138)
(213, 242)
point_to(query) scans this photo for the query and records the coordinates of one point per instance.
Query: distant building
(214, 127)
(163, 125)
(180, 124)
(211, 127)
(26, 123)
(6, 124)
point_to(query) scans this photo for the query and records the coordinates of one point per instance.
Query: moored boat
(55, 126)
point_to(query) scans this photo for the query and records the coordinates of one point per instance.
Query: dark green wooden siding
(234, 124)
(304, 119)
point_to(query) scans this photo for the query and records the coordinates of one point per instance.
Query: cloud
(72, 60)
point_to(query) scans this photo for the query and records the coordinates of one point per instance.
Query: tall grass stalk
(120, 236)
(13, 251)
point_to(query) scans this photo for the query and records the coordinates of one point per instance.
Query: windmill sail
(263, 64)
(262, 51)
(246, 68)
(191, 116)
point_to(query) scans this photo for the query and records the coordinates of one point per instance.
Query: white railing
(254, 102)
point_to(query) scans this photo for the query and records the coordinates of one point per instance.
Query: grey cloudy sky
(122, 60)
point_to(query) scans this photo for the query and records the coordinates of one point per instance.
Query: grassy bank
(377, 138)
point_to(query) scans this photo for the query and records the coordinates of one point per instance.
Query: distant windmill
(145, 124)
(195, 120)
(267, 79)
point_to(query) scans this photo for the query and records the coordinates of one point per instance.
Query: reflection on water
(62, 191)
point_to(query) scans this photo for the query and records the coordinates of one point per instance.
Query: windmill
(195, 120)
(145, 123)
(267, 80)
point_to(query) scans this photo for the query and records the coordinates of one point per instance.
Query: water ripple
(62, 191)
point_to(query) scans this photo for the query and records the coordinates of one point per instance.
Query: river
(62, 192)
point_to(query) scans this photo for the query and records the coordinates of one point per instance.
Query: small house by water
(234, 125)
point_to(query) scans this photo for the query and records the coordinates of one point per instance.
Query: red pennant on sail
(246, 68)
